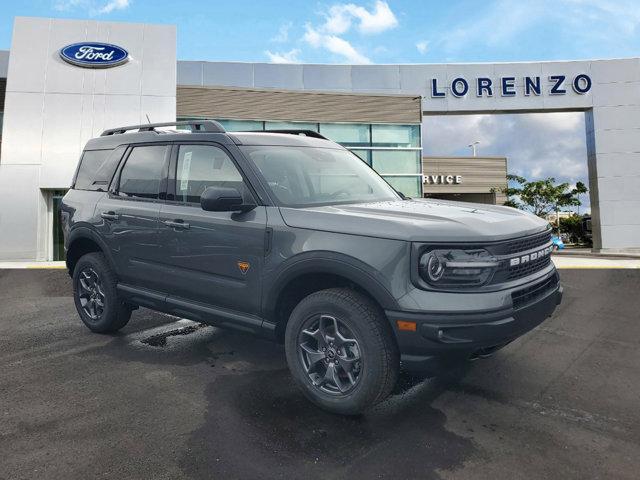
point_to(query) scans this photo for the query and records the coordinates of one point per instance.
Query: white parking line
(595, 263)
(32, 265)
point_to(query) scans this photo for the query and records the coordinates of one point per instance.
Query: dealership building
(65, 81)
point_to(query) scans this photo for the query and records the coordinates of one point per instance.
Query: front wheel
(95, 295)
(341, 351)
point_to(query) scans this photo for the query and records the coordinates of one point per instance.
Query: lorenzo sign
(94, 55)
(506, 86)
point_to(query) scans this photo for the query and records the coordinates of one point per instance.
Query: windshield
(306, 176)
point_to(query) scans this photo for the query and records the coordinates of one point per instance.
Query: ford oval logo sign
(94, 55)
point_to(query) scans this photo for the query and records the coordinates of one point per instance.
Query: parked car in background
(557, 243)
(586, 227)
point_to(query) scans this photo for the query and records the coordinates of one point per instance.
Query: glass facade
(396, 161)
(393, 150)
(399, 136)
(348, 134)
(240, 125)
(290, 126)
(408, 185)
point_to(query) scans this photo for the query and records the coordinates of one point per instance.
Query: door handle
(110, 215)
(178, 223)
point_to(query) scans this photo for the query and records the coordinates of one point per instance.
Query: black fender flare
(325, 262)
(81, 232)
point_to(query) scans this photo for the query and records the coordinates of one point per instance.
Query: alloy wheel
(330, 355)
(91, 293)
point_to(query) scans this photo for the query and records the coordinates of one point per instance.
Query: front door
(129, 216)
(213, 258)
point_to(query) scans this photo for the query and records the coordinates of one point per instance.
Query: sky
(399, 31)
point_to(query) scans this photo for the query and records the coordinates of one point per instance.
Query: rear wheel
(95, 295)
(341, 351)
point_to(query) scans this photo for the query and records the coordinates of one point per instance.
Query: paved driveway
(170, 399)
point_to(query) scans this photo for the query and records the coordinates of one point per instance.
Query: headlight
(453, 268)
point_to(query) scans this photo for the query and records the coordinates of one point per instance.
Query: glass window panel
(355, 134)
(365, 155)
(140, 176)
(395, 135)
(291, 126)
(97, 168)
(396, 161)
(409, 186)
(241, 125)
(300, 176)
(202, 166)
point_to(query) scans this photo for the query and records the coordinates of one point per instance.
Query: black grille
(528, 243)
(527, 295)
(517, 248)
(528, 268)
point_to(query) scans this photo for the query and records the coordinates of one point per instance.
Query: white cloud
(340, 16)
(283, 33)
(334, 44)
(91, 7)
(422, 46)
(284, 57)
(340, 19)
(114, 5)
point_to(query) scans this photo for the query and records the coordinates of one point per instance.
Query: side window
(142, 173)
(96, 169)
(202, 166)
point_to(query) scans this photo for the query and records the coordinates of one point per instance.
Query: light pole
(473, 147)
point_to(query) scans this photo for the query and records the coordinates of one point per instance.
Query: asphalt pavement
(168, 398)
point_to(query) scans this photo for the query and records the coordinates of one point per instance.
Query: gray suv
(290, 236)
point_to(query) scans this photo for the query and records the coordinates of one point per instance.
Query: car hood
(418, 220)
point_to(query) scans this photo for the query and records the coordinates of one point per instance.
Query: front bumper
(442, 336)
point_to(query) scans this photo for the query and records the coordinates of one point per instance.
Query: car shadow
(258, 423)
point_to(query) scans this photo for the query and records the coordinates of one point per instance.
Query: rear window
(142, 173)
(96, 169)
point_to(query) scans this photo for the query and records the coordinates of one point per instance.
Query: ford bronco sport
(289, 235)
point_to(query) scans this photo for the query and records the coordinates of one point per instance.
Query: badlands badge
(244, 267)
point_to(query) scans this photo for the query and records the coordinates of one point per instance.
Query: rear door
(130, 215)
(213, 258)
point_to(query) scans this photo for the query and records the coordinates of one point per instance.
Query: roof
(239, 138)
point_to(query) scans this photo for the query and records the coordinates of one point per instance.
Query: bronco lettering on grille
(515, 261)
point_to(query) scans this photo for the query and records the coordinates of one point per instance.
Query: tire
(95, 295)
(366, 371)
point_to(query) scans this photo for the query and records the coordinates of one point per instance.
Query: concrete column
(613, 149)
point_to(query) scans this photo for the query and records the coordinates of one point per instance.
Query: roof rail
(197, 126)
(306, 133)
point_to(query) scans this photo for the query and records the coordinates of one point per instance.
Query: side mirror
(223, 199)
